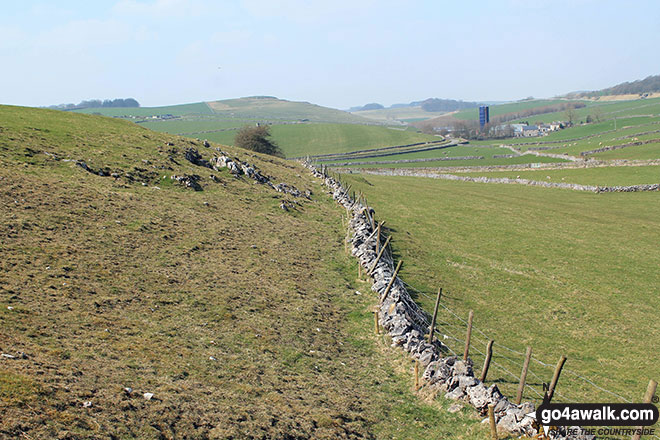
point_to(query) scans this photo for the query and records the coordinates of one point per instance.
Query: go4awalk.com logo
(602, 419)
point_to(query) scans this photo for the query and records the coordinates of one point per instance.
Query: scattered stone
(211, 358)
(148, 396)
(454, 408)
(189, 181)
(10, 308)
(87, 404)
(128, 391)
(193, 156)
(8, 356)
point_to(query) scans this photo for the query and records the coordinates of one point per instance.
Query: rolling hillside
(144, 294)
(265, 108)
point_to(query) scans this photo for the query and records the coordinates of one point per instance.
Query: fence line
(512, 361)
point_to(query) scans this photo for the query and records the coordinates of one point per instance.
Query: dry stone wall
(407, 323)
(572, 186)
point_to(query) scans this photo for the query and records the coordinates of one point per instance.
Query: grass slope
(565, 272)
(457, 151)
(280, 109)
(198, 108)
(301, 139)
(239, 317)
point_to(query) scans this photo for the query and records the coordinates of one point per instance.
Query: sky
(338, 53)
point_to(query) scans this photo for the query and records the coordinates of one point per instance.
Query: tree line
(98, 103)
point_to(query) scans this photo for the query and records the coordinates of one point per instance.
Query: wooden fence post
(376, 326)
(435, 314)
(380, 254)
(389, 286)
(555, 377)
(489, 355)
(523, 376)
(468, 336)
(491, 419)
(380, 225)
(648, 398)
(416, 374)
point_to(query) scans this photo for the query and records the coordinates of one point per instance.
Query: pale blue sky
(340, 53)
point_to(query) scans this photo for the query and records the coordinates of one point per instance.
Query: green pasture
(194, 125)
(302, 139)
(565, 272)
(605, 110)
(457, 151)
(496, 110)
(198, 108)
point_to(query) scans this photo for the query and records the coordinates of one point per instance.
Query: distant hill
(445, 105)
(428, 105)
(271, 108)
(372, 106)
(414, 111)
(264, 108)
(97, 103)
(648, 85)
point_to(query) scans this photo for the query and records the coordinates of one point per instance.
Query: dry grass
(240, 318)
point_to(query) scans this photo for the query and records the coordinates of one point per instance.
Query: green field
(605, 110)
(302, 139)
(241, 318)
(568, 273)
(603, 176)
(190, 124)
(497, 110)
(198, 108)
(403, 114)
(457, 151)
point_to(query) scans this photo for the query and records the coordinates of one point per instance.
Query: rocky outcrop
(239, 168)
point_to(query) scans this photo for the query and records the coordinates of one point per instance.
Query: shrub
(256, 139)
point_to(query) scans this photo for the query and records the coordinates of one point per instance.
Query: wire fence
(505, 363)
(509, 361)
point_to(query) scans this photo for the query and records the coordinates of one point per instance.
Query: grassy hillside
(565, 272)
(251, 108)
(511, 107)
(198, 108)
(280, 109)
(604, 110)
(479, 155)
(402, 114)
(242, 319)
(301, 139)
